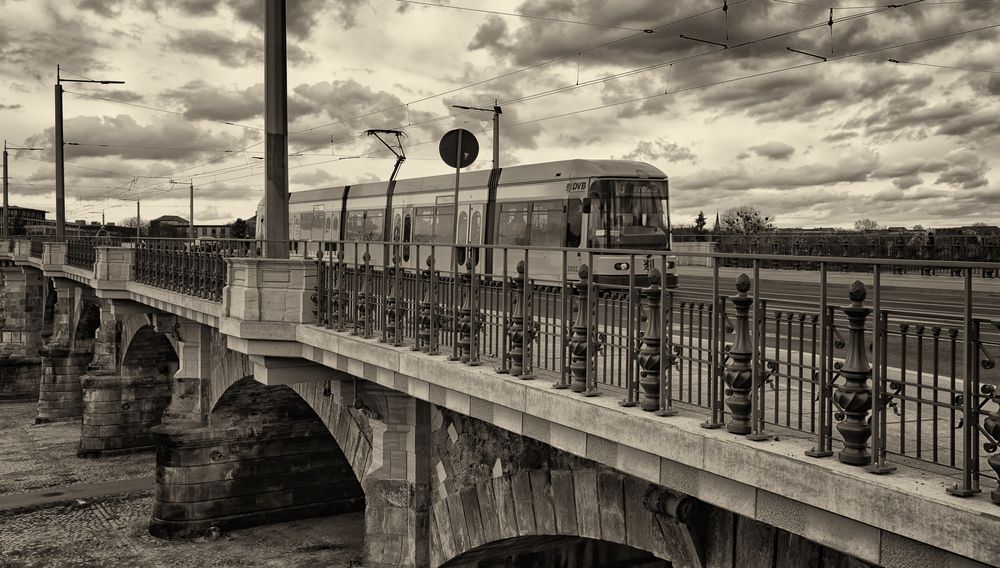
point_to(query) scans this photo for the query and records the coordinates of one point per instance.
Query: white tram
(577, 204)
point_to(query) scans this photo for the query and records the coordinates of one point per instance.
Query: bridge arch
(572, 517)
(121, 405)
(263, 456)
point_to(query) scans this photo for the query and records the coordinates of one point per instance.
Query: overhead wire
(528, 16)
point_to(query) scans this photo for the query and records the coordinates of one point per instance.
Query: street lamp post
(60, 177)
(496, 128)
(6, 204)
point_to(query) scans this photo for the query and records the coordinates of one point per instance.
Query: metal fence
(195, 267)
(871, 381)
(924, 246)
(81, 252)
(37, 247)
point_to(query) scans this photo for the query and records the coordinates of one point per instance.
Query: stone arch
(572, 517)
(121, 406)
(88, 320)
(264, 456)
(49, 298)
(548, 551)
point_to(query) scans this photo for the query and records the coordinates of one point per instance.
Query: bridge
(840, 416)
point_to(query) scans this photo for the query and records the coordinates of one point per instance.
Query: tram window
(328, 228)
(463, 231)
(335, 227)
(463, 228)
(406, 237)
(317, 224)
(574, 222)
(395, 229)
(444, 225)
(373, 225)
(423, 226)
(477, 227)
(548, 224)
(306, 225)
(513, 224)
(355, 225)
(296, 224)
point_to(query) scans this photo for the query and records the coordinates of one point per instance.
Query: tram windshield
(629, 214)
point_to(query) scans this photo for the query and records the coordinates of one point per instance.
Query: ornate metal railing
(37, 247)
(193, 267)
(910, 385)
(81, 252)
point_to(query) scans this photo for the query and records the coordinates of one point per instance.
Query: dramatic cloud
(228, 51)
(659, 150)
(124, 137)
(773, 150)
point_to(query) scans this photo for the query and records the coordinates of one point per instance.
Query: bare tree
(866, 224)
(746, 220)
(132, 222)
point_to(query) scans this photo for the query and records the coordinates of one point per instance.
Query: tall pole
(60, 179)
(496, 134)
(6, 205)
(191, 222)
(276, 130)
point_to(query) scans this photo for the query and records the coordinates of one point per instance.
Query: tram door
(469, 231)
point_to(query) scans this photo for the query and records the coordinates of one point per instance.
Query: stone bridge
(261, 410)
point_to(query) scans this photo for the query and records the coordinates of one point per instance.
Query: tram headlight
(621, 266)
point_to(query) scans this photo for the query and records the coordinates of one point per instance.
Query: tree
(131, 223)
(699, 222)
(865, 224)
(239, 228)
(746, 220)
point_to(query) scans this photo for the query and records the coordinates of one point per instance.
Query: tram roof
(563, 169)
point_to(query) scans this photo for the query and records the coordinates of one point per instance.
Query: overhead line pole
(276, 131)
(5, 229)
(60, 156)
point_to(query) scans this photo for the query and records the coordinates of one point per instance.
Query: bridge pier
(123, 401)
(21, 312)
(68, 353)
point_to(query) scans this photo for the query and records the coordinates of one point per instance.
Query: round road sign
(449, 148)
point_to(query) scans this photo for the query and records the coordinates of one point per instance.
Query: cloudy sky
(813, 142)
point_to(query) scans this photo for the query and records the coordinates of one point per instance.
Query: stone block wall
(60, 395)
(119, 411)
(19, 378)
(500, 497)
(263, 457)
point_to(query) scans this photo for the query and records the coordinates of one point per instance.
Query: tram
(576, 204)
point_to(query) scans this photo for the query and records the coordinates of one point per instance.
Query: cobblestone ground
(38, 456)
(111, 530)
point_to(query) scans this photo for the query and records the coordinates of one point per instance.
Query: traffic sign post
(458, 148)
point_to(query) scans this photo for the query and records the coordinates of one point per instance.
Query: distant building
(214, 231)
(21, 217)
(168, 227)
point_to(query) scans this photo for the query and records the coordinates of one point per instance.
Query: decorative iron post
(991, 426)
(854, 397)
(650, 371)
(464, 322)
(389, 314)
(520, 333)
(319, 293)
(739, 373)
(339, 296)
(424, 319)
(580, 335)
